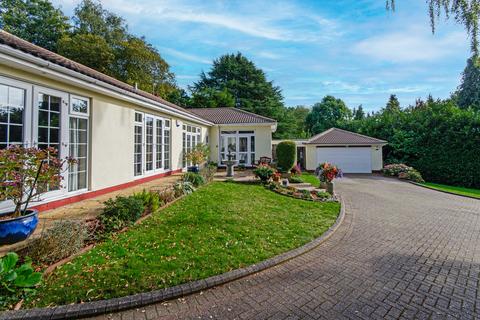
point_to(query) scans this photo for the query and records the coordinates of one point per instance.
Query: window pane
(79, 105)
(16, 134)
(54, 120)
(16, 97)
(252, 143)
(43, 135)
(78, 149)
(55, 103)
(3, 133)
(3, 95)
(3, 114)
(16, 115)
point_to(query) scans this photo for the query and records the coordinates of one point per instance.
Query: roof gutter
(11, 56)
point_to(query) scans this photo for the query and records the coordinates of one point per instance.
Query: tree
(211, 98)
(358, 114)
(393, 105)
(465, 12)
(327, 114)
(113, 50)
(36, 21)
(88, 49)
(246, 83)
(468, 94)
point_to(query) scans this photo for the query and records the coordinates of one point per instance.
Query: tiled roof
(230, 116)
(336, 136)
(25, 46)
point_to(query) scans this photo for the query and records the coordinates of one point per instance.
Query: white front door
(349, 160)
(240, 146)
(50, 128)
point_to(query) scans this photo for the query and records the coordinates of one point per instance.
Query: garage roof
(335, 136)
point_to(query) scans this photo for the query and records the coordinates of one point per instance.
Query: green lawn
(310, 178)
(221, 227)
(458, 190)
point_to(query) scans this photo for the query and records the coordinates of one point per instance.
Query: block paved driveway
(402, 252)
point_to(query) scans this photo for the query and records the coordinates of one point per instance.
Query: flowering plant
(326, 172)
(26, 173)
(264, 172)
(198, 155)
(296, 171)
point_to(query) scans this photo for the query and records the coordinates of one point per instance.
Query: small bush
(264, 172)
(16, 283)
(194, 178)
(62, 240)
(121, 212)
(208, 172)
(402, 171)
(295, 179)
(183, 188)
(167, 194)
(305, 194)
(412, 175)
(322, 195)
(286, 155)
(296, 171)
(151, 200)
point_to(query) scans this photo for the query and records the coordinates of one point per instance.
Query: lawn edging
(444, 191)
(93, 308)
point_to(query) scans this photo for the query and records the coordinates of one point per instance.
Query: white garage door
(350, 160)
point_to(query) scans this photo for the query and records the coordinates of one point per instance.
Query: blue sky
(352, 49)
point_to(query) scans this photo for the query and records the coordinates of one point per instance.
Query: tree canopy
(36, 21)
(468, 94)
(326, 114)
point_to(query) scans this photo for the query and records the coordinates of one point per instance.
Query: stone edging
(444, 191)
(89, 309)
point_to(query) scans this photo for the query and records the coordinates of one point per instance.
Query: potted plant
(197, 156)
(327, 172)
(264, 172)
(25, 174)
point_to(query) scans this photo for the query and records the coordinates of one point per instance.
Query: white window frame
(82, 114)
(154, 170)
(195, 135)
(237, 134)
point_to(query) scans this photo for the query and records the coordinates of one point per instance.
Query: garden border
(89, 309)
(444, 191)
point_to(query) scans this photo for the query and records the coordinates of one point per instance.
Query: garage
(349, 159)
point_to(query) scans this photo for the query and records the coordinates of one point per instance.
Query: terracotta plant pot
(18, 229)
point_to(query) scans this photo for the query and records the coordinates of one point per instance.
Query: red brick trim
(92, 194)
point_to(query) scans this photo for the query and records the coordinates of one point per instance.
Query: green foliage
(151, 200)
(412, 175)
(62, 240)
(327, 114)
(208, 172)
(322, 195)
(295, 179)
(468, 94)
(36, 21)
(16, 282)
(211, 98)
(437, 138)
(286, 155)
(264, 172)
(393, 105)
(181, 188)
(195, 179)
(358, 113)
(121, 212)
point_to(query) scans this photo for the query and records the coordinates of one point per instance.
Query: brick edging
(89, 309)
(444, 191)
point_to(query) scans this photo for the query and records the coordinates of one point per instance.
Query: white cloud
(411, 45)
(184, 56)
(268, 55)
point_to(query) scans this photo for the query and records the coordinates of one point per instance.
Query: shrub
(199, 154)
(181, 188)
(120, 212)
(16, 283)
(264, 172)
(194, 178)
(208, 172)
(286, 155)
(402, 171)
(62, 240)
(327, 172)
(322, 195)
(395, 169)
(295, 179)
(167, 194)
(296, 171)
(412, 175)
(151, 200)
(305, 194)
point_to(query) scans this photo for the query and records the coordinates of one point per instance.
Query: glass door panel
(148, 143)
(243, 150)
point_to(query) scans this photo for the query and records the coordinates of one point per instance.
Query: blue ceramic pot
(18, 229)
(193, 169)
